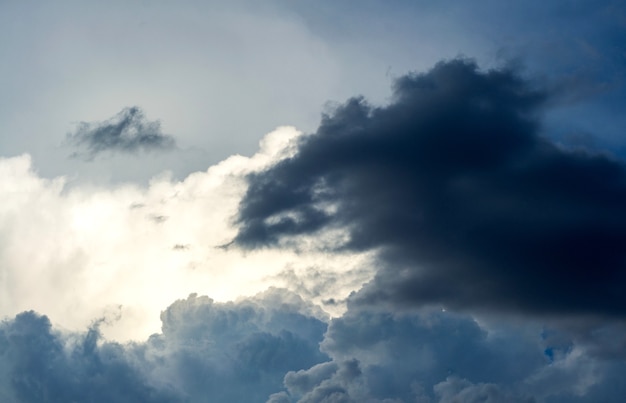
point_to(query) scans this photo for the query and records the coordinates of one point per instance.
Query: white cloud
(83, 252)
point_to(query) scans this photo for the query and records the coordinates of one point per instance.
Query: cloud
(127, 132)
(460, 390)
(455, 187)
(236, 351)
(438, 215)
(207, 351)
(42, 365)
(431, 356)
(101, 248)
(276, 347)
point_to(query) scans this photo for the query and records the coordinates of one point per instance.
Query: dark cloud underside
(128, 132)
(468, 205)
(206, 352)
(270, 349)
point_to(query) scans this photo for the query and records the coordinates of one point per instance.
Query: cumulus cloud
(431, 356)
(111, 251)
(276, 347)
(128, 132)
(207, 351)
(465, 201)
(460, 390)
(42, 365)
(449, 192)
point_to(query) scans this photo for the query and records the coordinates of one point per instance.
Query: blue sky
(312, 201)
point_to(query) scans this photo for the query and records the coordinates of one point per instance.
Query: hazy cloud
(129, 132)
(465, 201)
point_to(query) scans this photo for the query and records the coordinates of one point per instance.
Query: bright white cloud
(80, 253)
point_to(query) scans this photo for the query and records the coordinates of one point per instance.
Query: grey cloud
(207, 351)
(157, 218)
(466, 203)
(345, 386)
(272, 348)
(396, 351)
(304, 381)
(128, 132)
(322, 286)
(41, 367)
(454, 390)
(280, 397)
(433, 356)
(236, 351)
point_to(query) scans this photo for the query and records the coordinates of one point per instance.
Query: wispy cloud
(128, 132)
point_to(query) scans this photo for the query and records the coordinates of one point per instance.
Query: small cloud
(159, 219)
(128, 132)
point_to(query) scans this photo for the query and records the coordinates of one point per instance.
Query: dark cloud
(272, 348)
(234, 352)
(460, 390)
(207, 351)
(465, 201)
(129, 132)
(44, 366)
(433, 356)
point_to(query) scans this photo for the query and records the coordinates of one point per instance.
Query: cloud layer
(274, 347)
(206, 351)
(465, 202)
(128, 132)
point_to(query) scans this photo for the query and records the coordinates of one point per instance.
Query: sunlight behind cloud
(124, 254)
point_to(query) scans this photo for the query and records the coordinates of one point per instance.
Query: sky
(381, 202)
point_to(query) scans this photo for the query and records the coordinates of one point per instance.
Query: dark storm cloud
(466, 203)
(207, 351)
(129, 132)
